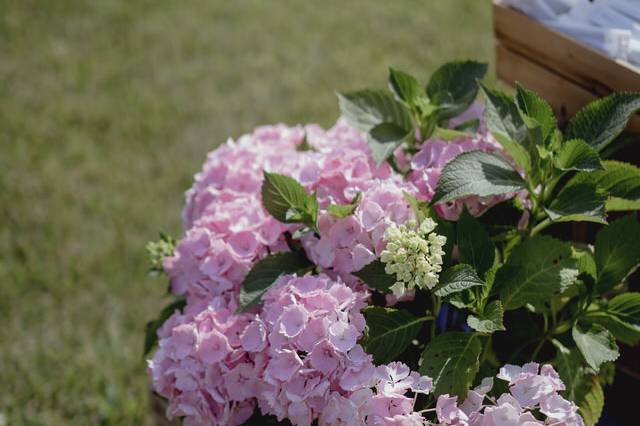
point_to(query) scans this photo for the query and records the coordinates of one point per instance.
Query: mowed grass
(107, 109)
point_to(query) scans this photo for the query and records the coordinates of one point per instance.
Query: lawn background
(107, 109)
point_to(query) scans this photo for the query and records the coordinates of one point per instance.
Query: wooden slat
(564, 96)
(565, 72)
(581, 64)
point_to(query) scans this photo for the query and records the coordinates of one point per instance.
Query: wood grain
(565, 97)
(585, 66)
(563, 71)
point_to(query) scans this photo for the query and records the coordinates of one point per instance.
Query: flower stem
(538, 347)
(540, 226)
(436, 310)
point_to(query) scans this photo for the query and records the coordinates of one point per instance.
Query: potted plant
(408, 266)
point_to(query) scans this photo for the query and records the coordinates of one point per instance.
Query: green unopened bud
(413, 254)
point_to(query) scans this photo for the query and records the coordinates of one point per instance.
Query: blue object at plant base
(449, 318)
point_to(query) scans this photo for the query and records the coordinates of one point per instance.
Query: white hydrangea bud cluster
(413, 254)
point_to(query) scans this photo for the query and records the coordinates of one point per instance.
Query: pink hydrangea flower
(426, 166)
(297, 356)
(235, 169)
(227, 229)
(295, 359)
(531, 389)
(199, 364)
(323, 341)
(347, 245)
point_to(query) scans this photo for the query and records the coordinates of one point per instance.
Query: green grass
(107, 108)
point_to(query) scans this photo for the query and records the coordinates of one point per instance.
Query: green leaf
(622, 141)
(534, 107)
(420, 208)
(569, 365)
(463, 300)
(575, 154)
(474, 244)
(286, 200)
(451, 359)
(341, 211)
(404, 86)
(151, 329)
(365, 109)
(375, 276)
(601, 121)
(265, 273)
(617, 252)
(615, 204)
(592, 404)
(305, 145)
(580, 383)
(506, 125)
(489, 278)
(476, 173)
(385, 138)
(389, 332)
(607, 373)
(536, 270)
(620, 180)
(579, 202)
(596, 344)
(621, 317)
(456, 279)
(585, 262)
(490, 320)
(469, 126)
(448, 134)
(626, 308)
(453, 87)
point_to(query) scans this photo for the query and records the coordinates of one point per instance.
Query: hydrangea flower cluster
(227, 230)
(234, 169)
(198, 351)
(348, 244)
(413, 254)
(315, 367)
(297, 359)
(339, 166)
(427, 164)
(532, 390)
(297, 355)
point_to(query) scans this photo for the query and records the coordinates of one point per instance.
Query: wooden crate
(565, 72)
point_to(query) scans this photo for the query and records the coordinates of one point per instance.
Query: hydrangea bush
(404, 266)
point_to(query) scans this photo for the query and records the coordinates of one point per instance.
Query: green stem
(436, 310)
(487, 346)
(562, 327)
(394, 165)
(536, 211)
(533, 197)
(538, 347)
(540, 226)
(551, 186)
